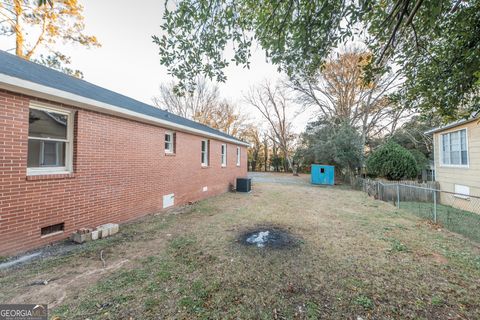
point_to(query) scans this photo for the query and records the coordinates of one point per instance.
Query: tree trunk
(266, 156)
(18, 28)
(291, 165)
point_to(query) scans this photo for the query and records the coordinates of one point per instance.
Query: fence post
(398, 196)
(434, 206)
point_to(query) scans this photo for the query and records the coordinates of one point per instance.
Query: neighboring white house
(457, 159)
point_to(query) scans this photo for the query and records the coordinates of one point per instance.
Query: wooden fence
(404, 190)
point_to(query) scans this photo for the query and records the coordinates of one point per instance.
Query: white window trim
(68, 168)
(169, 150)
(238, 157)
(224, 154)
(440, 151)
(205, 164)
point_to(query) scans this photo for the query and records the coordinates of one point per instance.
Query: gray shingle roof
(14, 66)
(453, 124)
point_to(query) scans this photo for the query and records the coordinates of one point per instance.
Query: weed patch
(364, 302)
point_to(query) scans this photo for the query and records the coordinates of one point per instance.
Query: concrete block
(103, 232)
(113, 228)
(81, 237)
(108, 229)
(95, 234)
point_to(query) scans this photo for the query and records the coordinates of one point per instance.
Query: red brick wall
(120, 173)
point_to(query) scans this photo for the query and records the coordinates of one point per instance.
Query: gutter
(451, 125)
(40, 91)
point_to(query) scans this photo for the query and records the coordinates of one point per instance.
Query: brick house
(75, 155)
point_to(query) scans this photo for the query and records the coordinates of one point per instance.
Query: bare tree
(227, 117)
(278, 110)
(203, 105)
(196, 105)
(341, 91)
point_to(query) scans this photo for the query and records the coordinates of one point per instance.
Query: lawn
(354, 258)
(457, 220)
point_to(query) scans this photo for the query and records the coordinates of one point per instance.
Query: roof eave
(451, 125)
(40, 91)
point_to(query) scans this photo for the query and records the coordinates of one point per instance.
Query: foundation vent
(52, 229)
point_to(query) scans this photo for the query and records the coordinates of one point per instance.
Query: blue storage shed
(323, 174)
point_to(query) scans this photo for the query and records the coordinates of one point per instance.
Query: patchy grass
(364, 301)
(457, 220)
(397, 246)
(356, 258)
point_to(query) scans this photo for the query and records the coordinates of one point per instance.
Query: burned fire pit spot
(268, 237)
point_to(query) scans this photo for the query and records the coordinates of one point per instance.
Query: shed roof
(17, 74)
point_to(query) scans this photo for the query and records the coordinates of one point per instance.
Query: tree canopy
(393, 162)
(339, 91)
(36, 27)
(437, 46)
(334, 142)
(434, 43)
(296, 35)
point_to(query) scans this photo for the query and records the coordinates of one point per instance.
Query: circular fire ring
(265, 237)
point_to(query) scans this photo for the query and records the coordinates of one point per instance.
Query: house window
(224, 155)
(205, 144)
(238, 156)
(169, 142)
(454, 148)
(50, 134)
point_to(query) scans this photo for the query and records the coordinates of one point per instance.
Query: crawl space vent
(52, 229)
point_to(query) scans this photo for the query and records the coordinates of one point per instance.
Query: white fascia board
(450, 125)
(40, 91)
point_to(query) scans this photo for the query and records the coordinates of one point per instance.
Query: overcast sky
(128, 61)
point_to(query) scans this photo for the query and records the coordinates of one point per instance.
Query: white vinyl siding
(450, 175)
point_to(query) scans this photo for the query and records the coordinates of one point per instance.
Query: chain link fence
(456, 212)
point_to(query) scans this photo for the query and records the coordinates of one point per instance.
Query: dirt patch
(268, 237)
(58, 289)
(57, 249)
(438, 258)
(40, 278)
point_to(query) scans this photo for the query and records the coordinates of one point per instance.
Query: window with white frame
(169, 142)
(204, 153)
(238, 156)
(50, 134)
(224, 155)
(453, 146)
